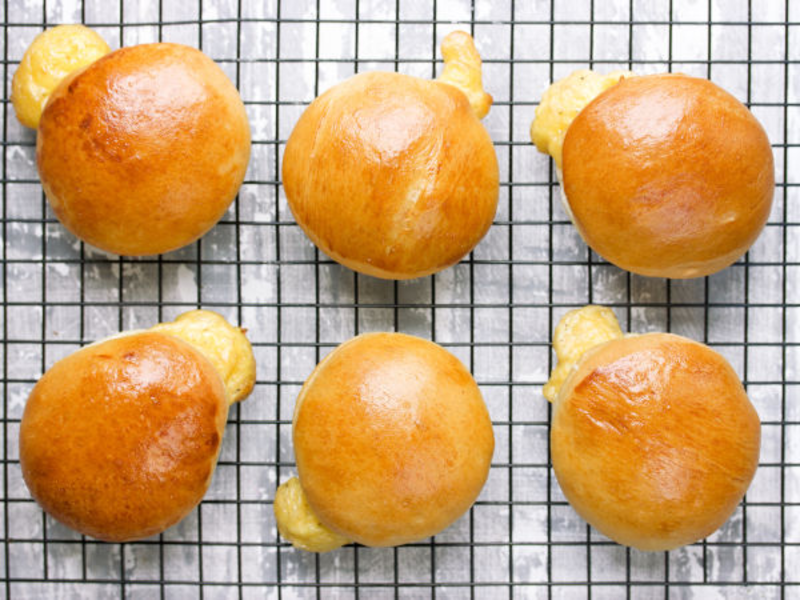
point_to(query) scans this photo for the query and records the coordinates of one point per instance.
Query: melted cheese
(562, 102)
(462, 69)
(225, 346)
(578, 331)
(52, 56)
(298, 523)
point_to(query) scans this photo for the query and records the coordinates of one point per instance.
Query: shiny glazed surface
(654, 441)
(391, 175)
(668, 176)
(143, 151)
(392, 438)
(120, 439)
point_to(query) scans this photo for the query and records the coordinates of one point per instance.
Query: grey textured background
(495, 310)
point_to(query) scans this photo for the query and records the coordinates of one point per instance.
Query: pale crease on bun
(143, 151)
(392, 175)
(392, 438)
(654, 441)
(668, 176)
(120, 439)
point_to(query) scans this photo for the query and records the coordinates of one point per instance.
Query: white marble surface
(495, 310)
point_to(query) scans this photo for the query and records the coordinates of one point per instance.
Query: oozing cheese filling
(221, 343)
(562, 102)
(578, 331)
(298, 523)
(462, 69)
(51, 57)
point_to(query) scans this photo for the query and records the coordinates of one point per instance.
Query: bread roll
(667, 176)
(120, 439)
(143, 151)
(653, 440)
(393, 442)
(394, 176)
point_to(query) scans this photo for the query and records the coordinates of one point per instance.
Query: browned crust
(654, 441)
(143, 151)
(119, 440)
(668, 176)
(393, 439)
(392, 175)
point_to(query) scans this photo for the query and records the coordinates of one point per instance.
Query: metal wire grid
(495, 310)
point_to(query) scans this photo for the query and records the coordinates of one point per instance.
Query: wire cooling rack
(496, 310)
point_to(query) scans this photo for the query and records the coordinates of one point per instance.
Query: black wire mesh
(496, 310)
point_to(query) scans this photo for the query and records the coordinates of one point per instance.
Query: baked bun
(120, 439)
(392, 175)
(668, 176)
(653, 440)
(392, 438)
(143, 151)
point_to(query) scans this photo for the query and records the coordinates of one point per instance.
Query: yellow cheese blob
(462, 69)
(578, 331)
(562, 102)
(52, 56)
(298, 523)
(221, 343)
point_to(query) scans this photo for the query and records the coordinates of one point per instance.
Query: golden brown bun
(654, 441)
(392, 438)
(668, 176)
(144, 150)
(120, 439)
(391, 175)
